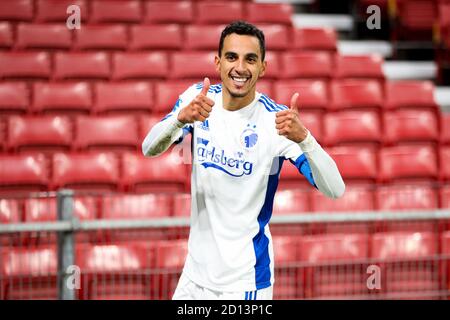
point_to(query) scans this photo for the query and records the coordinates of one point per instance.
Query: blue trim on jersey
(260, 241)
(186, 130)
(271, 103)
(256, 291)
(215, 88)
(250, 296)
(304, 168)
(246, 295)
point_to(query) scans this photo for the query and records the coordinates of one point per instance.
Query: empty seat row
(156, 37)
(179, 65)
(159, 97)
(136, 11)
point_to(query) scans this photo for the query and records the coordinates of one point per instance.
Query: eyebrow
(248, 55)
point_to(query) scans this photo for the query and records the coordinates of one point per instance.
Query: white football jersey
(236, 161)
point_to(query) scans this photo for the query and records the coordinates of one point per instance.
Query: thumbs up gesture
(288, 122)
(199, 108)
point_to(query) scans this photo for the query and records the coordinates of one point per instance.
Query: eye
(231, 58)
(251, 59)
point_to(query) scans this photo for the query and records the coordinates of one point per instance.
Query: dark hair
(243, 28)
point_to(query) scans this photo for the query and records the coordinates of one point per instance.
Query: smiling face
(240, 65)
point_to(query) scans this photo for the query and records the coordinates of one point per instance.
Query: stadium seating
(40, 133)
(167, 93)
(115, 11)
(368, 67)
(181, 12)
(445, 245)
(411, 126)
(209, 39)
(14, 98)
(21, 10)
(410, 94)
(408, 261)
(142, 206)
(269, 13)
(193, 65)
(343, 281)
(45, 209)
(445, 197)
(51, 36)
(352, 126)
(56, 10)
(306, 64)
(6, 35)
(356, 93)
(415, 197)
(24, 64)
(265, 87)
(414, 162)
(86, 171)
(216, 12)
(101, 37)
(106, 132)
(354, 199)
(415, 17)
(445, 163)
(156, 37)
(273, 65)
(445, 129)
(23, 173)
(62, 98)
(123, 97)
(82, 65)
(10, 211)
(314, 93)
(315, 39)
(291, 202)
(140, 65)
(146, 123)
(277, 37)
(165, 173)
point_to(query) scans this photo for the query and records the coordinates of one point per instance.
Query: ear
(263, 69)
(217, 63)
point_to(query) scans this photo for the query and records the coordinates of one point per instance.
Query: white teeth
(239, 79)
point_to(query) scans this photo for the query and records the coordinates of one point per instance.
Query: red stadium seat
(410, 94)
(337, 270)
(209, 39)
(315, 39)
(264, 86)
(62, 97)
(56, 10)
(408, 162)
(115, 11)
(367, 66)
(277, 37)
(444, 153)
(82, 65)
(167, 94)
(196, 65)
(10, 211)
(23, 172)
(101, 37)
(140, 65)
(356, 93)
(215, 12)
(313, 122)
(16, 10)
(14, 97)
(123, 97)
(445, 245)
(291, 202)
(169, 12)
(45, 209)
(39, 133)
(445, 197)
(6, 35)
(115, 271)
(87, 171)
(146, 123)
(273, 65)
(411, 126)
(182, 204)
(161, 174)
(354, 199)
(313, 93)
(52, 36)
(32, 268)
(306, 64)
(155, 37)
(416, 16)
(133, 206)
(352, 126)
(269, 13)
(356, 164)
(413, 197)
(445, 127)
(106, 132)
(24, 64)
(409, 263)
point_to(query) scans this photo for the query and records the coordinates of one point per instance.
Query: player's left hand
(288, 122)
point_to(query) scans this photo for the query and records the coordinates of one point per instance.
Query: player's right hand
(199, 108)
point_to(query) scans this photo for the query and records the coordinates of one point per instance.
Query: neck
(235, 103)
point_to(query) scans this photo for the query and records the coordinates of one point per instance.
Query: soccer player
(240, 139)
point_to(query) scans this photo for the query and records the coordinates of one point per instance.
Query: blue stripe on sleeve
(304, 168)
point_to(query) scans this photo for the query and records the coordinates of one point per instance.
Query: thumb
(294, 99)
(205, 88)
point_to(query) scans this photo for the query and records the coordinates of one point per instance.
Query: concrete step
(351, 47)
(341, 22)
(410, 70)
(442, 97)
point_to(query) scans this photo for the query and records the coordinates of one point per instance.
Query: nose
(240, 66)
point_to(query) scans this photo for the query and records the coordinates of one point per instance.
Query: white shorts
(188, 290)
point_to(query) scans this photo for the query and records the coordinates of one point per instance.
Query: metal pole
(66, 250)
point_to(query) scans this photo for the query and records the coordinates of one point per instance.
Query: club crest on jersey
(249, 137)
(209, 156)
